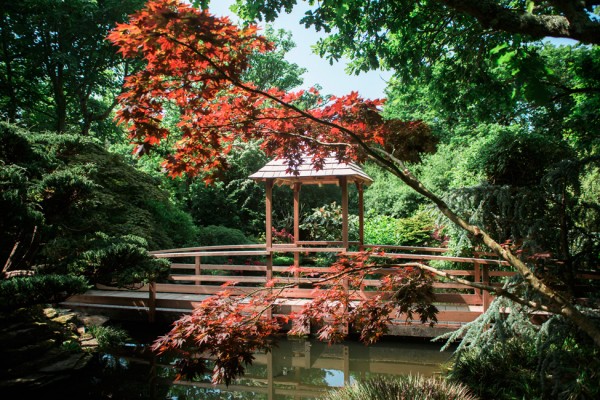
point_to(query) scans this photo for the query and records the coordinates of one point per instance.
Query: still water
(296, 369)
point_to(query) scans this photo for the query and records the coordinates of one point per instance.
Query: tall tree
(56, 69)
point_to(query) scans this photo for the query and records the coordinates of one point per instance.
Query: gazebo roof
(330, 174)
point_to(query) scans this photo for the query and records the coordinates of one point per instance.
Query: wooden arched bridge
(199, 272)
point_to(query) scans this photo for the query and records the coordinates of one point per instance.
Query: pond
(298, 369)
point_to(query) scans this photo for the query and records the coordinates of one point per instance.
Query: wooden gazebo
(332, 173)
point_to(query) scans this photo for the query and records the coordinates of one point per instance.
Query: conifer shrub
(121, 261)
(507, 356)
(73, 207)
(27, 291)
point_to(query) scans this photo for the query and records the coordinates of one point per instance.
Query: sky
(332, 78)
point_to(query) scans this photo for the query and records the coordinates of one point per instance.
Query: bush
(216, 235)
(283, 260)
(505, 370)
(26, 291)
(404, 387)
(324, 223)
(121, 261)
(109, 336)
(418, 230)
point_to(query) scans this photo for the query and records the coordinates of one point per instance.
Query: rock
(50, 312)
(89, 320)
(43, 347)
(66, 319)
(75, 362)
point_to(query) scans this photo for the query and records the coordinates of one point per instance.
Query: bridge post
(486, 281)
(151, 301)
(361, 217)
(477, 277)
(344, 186)
(197, 268)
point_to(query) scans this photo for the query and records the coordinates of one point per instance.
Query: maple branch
(241, 85)
(560, 305)
(311, 139)
(476, 285)
(241, 122)
(269, 304)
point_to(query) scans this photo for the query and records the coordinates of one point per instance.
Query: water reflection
(296, 369)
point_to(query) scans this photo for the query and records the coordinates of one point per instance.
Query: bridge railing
(202, 271)
(194, 272)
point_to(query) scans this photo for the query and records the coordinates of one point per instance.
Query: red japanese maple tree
(195, 61)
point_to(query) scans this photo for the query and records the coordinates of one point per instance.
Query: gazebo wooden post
(297, 187)
(269, 233)
(344, 186)
(361, 216)
(269, 227)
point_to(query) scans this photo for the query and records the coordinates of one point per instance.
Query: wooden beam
(344, 186)
(297, 186)
(269, 214)
(361, 215)
(197, 268)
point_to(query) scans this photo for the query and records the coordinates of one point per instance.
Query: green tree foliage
(417, 230)
(57, 71)
(233, 200)
(64, 189)
(271, 69)
(387, 196)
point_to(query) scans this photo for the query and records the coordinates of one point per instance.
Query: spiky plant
(414, 387)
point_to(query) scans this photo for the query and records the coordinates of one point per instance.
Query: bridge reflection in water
(306, 369)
